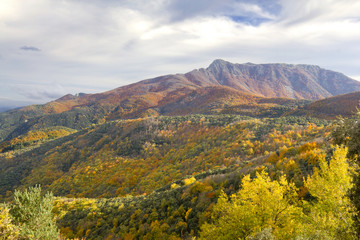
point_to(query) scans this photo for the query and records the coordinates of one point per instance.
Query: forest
(179, 120)
(184, 177)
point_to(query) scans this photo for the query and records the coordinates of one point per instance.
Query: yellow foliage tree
(189, 181)
(260, 204)
(8, 230)
(331, 213)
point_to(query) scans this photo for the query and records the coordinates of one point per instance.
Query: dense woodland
(203, 176)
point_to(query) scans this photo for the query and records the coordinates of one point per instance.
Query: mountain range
(260, 90)
(149, 160)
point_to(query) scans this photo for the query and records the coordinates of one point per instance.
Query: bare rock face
(281, 80)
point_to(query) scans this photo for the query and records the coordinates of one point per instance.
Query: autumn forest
(174, 158)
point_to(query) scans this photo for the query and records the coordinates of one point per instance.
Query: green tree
(331, 212)
(8, 230)
(262, 205)
(32, 212)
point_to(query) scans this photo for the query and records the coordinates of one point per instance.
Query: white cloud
(40, 92)
(320, 11)
(246, 8)
(101, 45)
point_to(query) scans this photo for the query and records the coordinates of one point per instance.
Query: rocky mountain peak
(219, 65)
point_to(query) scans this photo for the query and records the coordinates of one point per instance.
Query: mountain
(344, 105)
(223, 87)
(282, 80)
(151, 159)
(264, 80)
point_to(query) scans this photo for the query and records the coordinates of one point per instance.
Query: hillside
(223, 87)
(120, 104)
(163, 169)
(137, 156)
(345, 105)
(151, 160)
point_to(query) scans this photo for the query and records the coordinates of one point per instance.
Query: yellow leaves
(7, 155)
(250, 151)
(329, 184)
(183, 149)
(174, 186)
(136, 213)
(313, 156)
(32, 138)
(187, 213)
(308, 146)
(189, 181)
(279, 163)
(260, 203)
(66, 204)
(273, 158)
(166, 133)
(332, 179)
(121, 206)
(282, 151)
(260, 168)
(290, 165)
(8, 230)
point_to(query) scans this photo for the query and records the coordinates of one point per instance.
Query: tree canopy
(32, 213)
(272, 207)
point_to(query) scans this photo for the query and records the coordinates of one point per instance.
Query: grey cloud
(96, 44)
(7, 104)
(187, 8)
(180, 10)
(40, 92)
(183, 9)
(30, 48)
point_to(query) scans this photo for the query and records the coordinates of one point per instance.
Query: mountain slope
(282, 80)
(137, 156)
(222, 87)
(344, 105)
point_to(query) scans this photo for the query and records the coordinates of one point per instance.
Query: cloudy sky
(49, 48)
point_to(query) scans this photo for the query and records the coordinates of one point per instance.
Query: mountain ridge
(219, 88)
(289, 80)
(265, 80)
